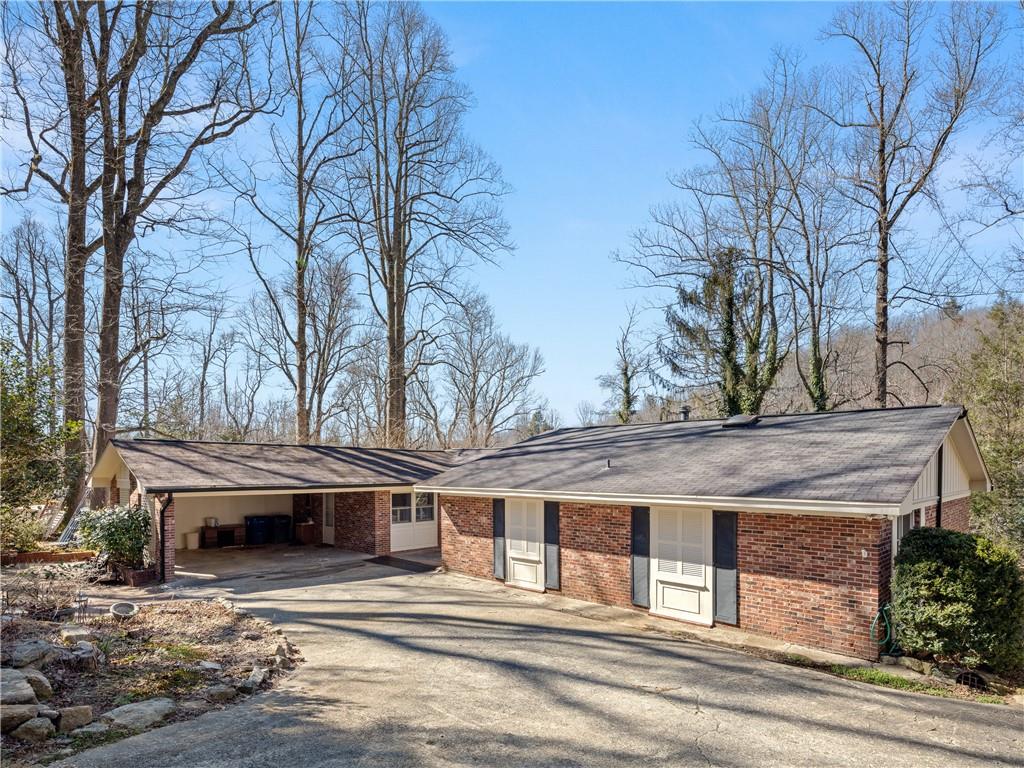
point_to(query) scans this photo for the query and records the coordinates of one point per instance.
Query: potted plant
(122, 534)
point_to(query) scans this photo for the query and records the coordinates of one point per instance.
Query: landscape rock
(87, 656)
(194, 706)
(15, 688)
(73, 633)
(13, 715)
(48, 713)
(39, 682)
(255, 680)
(140, 714)
(31, 652)
(91, 728)
(35, 730)
(283, 662)
(209, 666)
(72, 718)
(924, 667)
(251, 635)
(220, 693)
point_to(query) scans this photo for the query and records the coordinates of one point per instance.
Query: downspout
(163, 548)
(938, 501)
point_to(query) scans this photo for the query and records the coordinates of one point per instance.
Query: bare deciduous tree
(52, 95)
(901, 110)
(485, 379)
(331, 327)
(421, 197)
(299, 202)
(172, 81)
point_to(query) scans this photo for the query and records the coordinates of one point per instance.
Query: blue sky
(587, 107)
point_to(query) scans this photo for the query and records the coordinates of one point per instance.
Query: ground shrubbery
(119, 532)
(20, 528)
(960, 598)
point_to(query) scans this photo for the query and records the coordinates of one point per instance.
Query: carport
(221, 495)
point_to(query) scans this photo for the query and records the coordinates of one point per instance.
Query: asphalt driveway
(409, 669)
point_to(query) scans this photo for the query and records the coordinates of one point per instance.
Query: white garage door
(681, 570)
(413, 525)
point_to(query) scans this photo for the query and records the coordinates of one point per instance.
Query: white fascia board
(738, 504)
(339, 489)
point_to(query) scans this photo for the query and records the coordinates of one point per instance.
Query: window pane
(405, 515)
(401, 500)
(425, 500)
(424, 513)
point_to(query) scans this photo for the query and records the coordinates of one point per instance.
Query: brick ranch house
(782, 525)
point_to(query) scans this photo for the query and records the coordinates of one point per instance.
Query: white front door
(328, 519)
(681, 570)
(524, 528)
(413, 521)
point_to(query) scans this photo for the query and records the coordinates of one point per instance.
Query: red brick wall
(467, 535)
(956, 514)
(808, 579)
(595, 548)
(813, 580)
(114, 494)
(362, 521)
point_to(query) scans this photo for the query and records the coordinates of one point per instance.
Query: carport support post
(167, 534)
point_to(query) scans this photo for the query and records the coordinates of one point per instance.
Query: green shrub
(122, 533)
(960, 598)
(20, 528)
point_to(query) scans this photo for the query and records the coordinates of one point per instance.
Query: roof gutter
(807, 506)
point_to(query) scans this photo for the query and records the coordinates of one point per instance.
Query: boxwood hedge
(960, 598)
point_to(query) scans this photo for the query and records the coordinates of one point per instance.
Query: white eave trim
(731, 503)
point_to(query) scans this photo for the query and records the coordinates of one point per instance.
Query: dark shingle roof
(187, 465)
(872, 456)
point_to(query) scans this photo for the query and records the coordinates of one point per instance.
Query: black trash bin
(257, 530)
(282, 529)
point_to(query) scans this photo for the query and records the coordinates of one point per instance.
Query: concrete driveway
(409, 669)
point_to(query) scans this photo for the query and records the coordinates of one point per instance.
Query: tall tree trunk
(301, 246)
(882, 320)
(397, 376)
(75, 260)
(109, 384)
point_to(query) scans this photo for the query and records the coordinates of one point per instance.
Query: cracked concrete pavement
(437, 669)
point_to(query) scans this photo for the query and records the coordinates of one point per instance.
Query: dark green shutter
(640, 556)
(498, 517)
(723, 547)
(551, 545)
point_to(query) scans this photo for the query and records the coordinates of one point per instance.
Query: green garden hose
(883, 614)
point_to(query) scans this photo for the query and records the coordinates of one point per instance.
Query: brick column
(382, 522)
(362, 521)
(166, 545)
(114, 495)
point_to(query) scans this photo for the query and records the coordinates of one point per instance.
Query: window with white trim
(424, 507)
(401, 508)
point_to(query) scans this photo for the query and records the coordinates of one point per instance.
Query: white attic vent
(740, 420)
